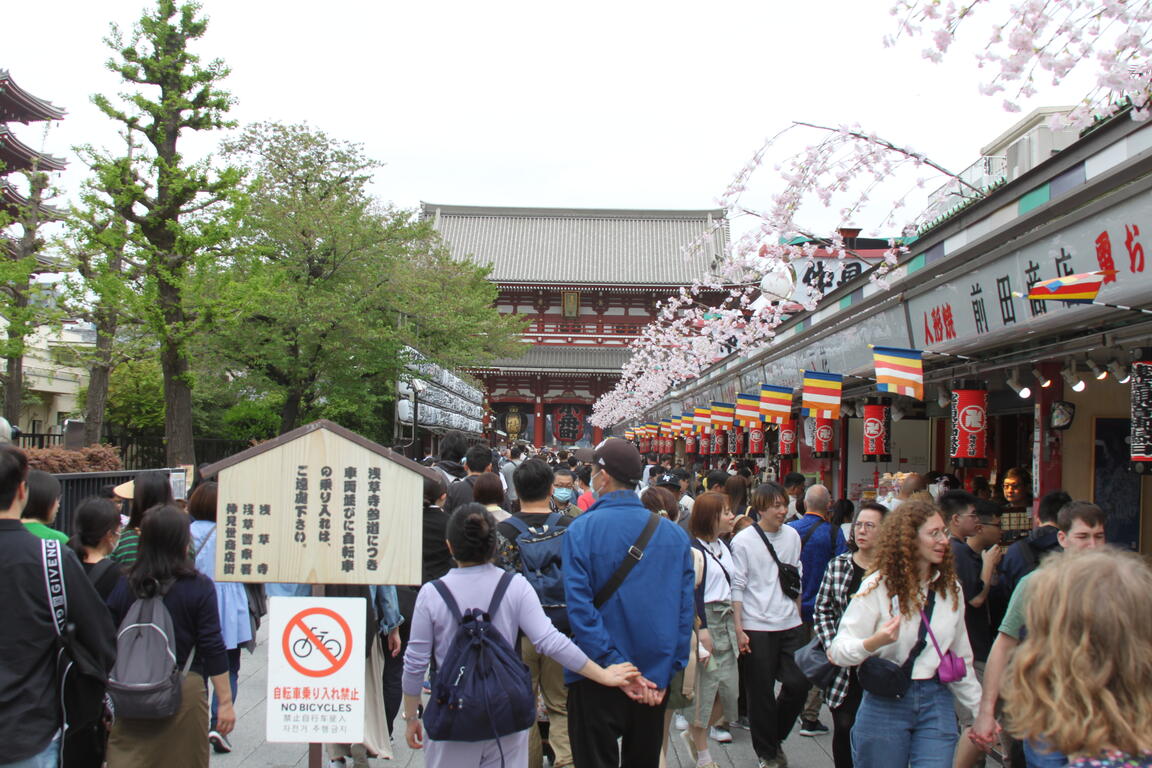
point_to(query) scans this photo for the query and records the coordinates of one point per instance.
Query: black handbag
(882, 677)
(813, 662)
(790, 582)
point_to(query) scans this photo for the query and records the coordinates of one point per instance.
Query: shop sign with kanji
(319, 505)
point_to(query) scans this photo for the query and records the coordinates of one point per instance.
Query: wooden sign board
(319, 505)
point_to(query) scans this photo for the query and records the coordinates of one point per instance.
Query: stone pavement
(250, 750)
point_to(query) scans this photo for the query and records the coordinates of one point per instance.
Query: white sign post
(316, 670)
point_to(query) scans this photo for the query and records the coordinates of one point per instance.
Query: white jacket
(872, 606)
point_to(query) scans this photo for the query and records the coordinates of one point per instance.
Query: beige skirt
(180, 741)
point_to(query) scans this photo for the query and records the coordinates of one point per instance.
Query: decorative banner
(687, 419)
(734, 442)
(723, 414)
(969, 427)
(703, 419)
(718, 442)
(1075, 289)
(689, 443)
(899, 371)
(821, 394)
(645, 444)
(747, 409)
(1142, 416)
(878, 432)
(775, 403)
(756, 440)
(822, 439)
(629, 435)
(787, 437)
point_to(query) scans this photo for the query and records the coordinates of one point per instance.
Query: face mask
(596, 492)
(562, 494)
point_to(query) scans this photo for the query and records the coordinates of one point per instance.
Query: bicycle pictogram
(317, 642)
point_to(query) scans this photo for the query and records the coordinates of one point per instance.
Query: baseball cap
(616, 456)
(669, 480)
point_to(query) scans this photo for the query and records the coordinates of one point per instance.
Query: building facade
(589, 280)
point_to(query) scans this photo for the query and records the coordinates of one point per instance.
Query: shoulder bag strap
(54, 583)
(498, 595)
(926, 620)
(771, 549)
(450, 601)
(922, 637)
(813, 530)
(634, 555)
(709, 553)
(204, 542)
(515, 522)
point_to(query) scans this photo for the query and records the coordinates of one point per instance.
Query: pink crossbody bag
(952, 668)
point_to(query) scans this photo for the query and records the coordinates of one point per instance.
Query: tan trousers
(548, 682)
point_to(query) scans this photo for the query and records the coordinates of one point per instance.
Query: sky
(625, 104)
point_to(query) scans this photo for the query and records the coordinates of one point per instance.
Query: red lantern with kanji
(689, 443)
(706, 444)
(718, 442)
(645, 444)
(969, 444)
(756, 440)
(823, 435)
(787, 437)
(878, 432)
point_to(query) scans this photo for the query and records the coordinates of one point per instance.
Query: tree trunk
(14, 389)
(177, 386)
(290, 413)
(98, 376)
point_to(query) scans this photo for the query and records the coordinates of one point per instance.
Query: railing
(77, 486)
(582, 328)
(981, 175)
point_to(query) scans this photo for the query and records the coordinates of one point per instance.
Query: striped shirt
(128, 547)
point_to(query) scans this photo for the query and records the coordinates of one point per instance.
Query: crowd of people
(620, 601)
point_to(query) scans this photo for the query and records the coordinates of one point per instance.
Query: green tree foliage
(173, 207)
(327, 287)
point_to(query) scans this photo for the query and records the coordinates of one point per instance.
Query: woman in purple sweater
(472, 540)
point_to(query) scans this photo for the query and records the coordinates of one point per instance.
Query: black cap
(616, 456)
(668, 480)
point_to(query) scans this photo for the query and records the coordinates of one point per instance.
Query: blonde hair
(898, 553)
(1082, 679)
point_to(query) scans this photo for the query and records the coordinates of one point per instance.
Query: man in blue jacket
(646, 620)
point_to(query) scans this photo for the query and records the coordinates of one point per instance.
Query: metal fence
(77, 486)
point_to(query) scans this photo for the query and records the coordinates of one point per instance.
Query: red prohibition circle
(297, 622)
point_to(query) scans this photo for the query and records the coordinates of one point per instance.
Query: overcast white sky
(598, 104)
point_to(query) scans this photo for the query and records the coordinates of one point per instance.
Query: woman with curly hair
(1081, 681)
(913, 578)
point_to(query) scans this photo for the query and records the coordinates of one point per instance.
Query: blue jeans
(233, 681)
(49, 758)
(1037, 755)
(919, 730)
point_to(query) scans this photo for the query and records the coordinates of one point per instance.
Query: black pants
(392, 684)
(843, 717)
(597, 716)
(771, 718)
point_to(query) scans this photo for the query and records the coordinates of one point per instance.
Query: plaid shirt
(831, 602)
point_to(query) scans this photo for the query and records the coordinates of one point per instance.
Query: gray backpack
(145, 681)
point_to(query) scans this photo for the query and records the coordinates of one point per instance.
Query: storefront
(960, 298)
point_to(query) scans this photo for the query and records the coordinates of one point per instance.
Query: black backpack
(483, 690)
(541, 563)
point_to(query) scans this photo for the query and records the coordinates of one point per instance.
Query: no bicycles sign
(316, 669)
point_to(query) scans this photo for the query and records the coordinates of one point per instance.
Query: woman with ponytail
(472, 542)
(97, 533)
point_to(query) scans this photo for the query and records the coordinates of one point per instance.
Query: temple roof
(565, 357)
(11, 201)
(17, 156)
(19, 106)
(576, 246)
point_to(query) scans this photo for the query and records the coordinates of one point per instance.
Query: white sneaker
(680, 722)
(720, 735)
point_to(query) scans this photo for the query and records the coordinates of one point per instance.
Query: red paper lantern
(689, 443)
(718, 442)
(878, 432)
(706, 444)
(969, 427)
(787, 437)
(756, 441)
(645, 444)
(823, 434)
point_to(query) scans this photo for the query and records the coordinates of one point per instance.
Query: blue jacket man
(647, 621)
(821, 541)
